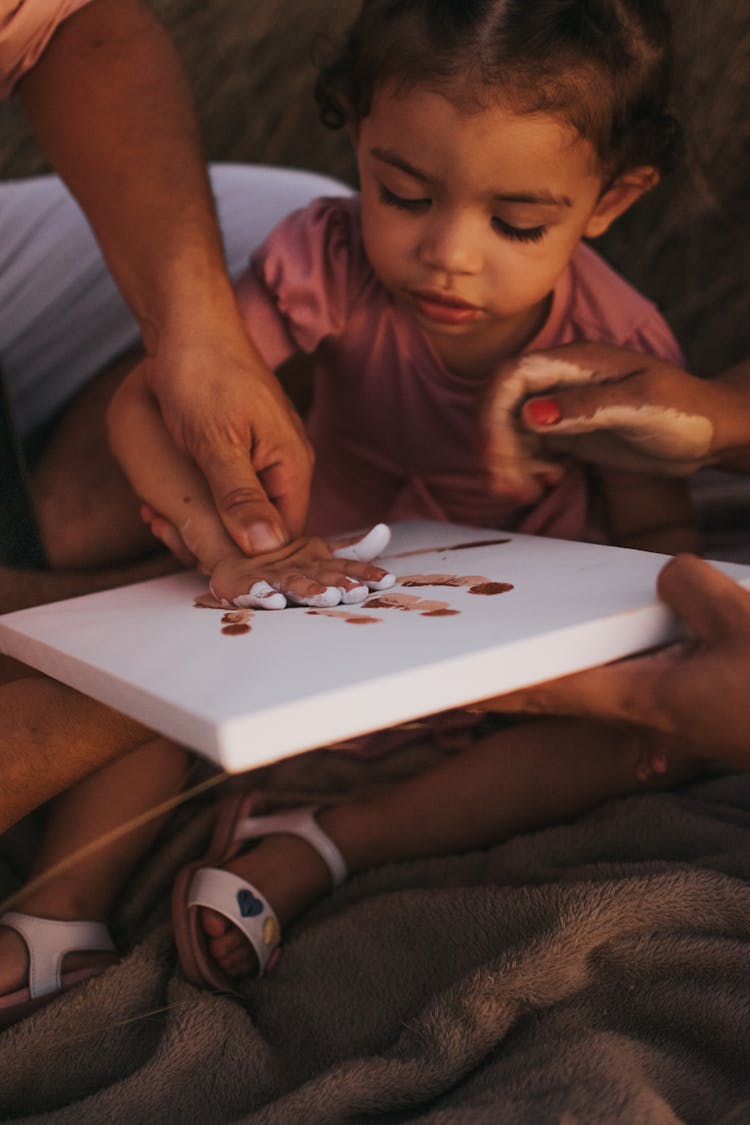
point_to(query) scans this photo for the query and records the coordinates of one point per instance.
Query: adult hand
(696, 692)
(228, 413)
(606, 405)
(313, 572)
(109, 101)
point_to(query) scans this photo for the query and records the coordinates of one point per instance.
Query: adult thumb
(242, 503)
(714, 606)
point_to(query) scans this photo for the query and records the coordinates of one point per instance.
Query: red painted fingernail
(542, 411)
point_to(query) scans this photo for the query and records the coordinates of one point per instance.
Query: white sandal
(205, 884)
(47, 941)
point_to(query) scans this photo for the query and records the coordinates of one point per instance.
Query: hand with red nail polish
(541, 412)
(612, 407)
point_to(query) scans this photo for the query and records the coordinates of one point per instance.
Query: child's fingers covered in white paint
(365, 547)
(305, 572)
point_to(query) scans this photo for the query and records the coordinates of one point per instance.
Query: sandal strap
(240, 903)
(297, 822)
(48, 940)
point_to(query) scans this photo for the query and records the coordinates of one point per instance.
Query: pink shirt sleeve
(654, 337)
(591, 301)
(303, 281)
(26, 27)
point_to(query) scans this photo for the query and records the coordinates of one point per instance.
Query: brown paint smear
(441, 580)
(409, 603)
(490, 588)
(476, 582)
(236, 622)
(207, 601)
(455, 547)
(345, 615)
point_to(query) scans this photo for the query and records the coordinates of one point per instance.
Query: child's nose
(451, 245)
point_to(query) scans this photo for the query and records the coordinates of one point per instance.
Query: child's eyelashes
(507, 230)
(518, 234)
(401, 201)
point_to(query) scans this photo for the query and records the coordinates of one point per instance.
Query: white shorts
(62, 319)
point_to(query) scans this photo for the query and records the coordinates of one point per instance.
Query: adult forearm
(110, 104)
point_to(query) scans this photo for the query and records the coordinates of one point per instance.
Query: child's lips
(445, 308)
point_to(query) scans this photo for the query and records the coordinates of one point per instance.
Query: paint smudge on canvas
(409, 603)
(476, 583)
(345, 615)
(455, 547)
(236, 622)
(207, 601)
(455, 580)
(491, 588)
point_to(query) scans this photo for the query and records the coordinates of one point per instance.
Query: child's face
(469, 219)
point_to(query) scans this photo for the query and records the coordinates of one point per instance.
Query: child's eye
(518, 234)
(394, 200)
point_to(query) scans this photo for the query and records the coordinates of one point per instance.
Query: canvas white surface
(298, 680)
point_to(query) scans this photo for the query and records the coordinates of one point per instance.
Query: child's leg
(512, 781)
(98, 805)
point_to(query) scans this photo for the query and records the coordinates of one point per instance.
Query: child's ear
(618, 197)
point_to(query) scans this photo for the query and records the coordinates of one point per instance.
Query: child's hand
(313, 572)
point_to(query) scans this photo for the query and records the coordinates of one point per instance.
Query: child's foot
(41, 957)
(289, 873)
(14, 961)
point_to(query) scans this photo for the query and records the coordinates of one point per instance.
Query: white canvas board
(299, 679)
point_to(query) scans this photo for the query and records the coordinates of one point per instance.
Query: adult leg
(51, 737)
(62, 321)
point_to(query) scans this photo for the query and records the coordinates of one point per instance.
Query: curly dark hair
(604, 66)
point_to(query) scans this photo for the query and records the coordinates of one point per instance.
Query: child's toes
(243, 963)
(225, 945)
(233, 954)
(214, 925)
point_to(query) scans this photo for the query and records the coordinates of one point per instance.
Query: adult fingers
(617, 692)
(241, 501)
(715, 608)
(287, 485)
(656, 428)
(609, 449)
(513, 458)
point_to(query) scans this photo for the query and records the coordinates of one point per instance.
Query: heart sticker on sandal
(250, 906)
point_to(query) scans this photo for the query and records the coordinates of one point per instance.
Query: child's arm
(307, 571)
(649, 514)
(161, 476)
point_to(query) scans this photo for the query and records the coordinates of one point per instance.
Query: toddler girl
(492, 137)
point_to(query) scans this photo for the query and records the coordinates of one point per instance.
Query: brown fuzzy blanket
(594, 972)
